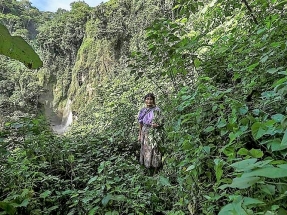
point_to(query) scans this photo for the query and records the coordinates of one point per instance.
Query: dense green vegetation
(218, 69)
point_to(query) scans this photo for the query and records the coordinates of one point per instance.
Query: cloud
(53, 5)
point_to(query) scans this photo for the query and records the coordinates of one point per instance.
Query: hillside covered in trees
(218, 70)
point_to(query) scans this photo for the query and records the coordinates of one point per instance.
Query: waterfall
(61, 120)
(67, 120)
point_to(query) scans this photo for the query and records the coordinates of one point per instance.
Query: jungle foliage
(218, 69)
(19, 86)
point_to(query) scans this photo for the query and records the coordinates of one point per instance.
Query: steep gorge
(94, 48)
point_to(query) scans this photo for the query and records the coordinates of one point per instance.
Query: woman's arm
(140, 131)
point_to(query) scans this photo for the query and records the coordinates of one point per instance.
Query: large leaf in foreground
(268, 172)
(17, 48)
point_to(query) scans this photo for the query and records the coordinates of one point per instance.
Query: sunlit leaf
(17, 48)
(243, 151)
(256, 153)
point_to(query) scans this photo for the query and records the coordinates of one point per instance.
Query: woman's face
(149, 101)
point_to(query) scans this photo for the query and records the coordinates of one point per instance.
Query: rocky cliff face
(92, 46)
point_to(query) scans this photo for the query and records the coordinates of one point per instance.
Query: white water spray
(67, 120)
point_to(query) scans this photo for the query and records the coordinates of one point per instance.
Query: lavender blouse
(146, 118)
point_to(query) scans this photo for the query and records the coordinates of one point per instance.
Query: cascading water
(67, 120)
(60, 121)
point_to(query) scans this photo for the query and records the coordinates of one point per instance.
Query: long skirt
(150, 156)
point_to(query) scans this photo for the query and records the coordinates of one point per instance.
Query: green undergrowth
(46, 174)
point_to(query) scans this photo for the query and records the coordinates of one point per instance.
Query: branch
(250, 10)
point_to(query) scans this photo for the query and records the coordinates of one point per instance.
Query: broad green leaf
(227, 210)
(86, 199)
(92, 179)
(283, 166)
(234, 208)
(17, 48)
(191, 167)
(249, 164)
(247, 201)
(243, 110)
(268, 188)
(218, 169)
(251, 67)
(272, 70)
(101, 167)
(206, 149)
(278, 117)
(261, 30)
(209, 129)
(232, 136)
(258, 130)
(282, 211)
(279, 82)
(24, 203)
(275, 145)
(8, 208)
(243, 128)
(264, 59)
(184, 20)
(262, 163)
(196, 62)
(229, 151)
(221, 123)
(268, 172)
(93, 210)
(243, 182)
(284, 139)
(53, 208)
(244, 164)
(276, 44)
(164, 181)
(67, 192)
(118, 197)
(256, 112)
(45, 194)
(237, 204)
(256, 153)
(106, 199)
(243, 151)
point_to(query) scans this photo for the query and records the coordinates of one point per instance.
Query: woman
(150, 133)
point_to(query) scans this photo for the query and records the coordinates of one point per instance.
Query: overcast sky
(53, 5)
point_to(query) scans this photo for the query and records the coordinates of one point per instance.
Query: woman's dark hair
(150, 95)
